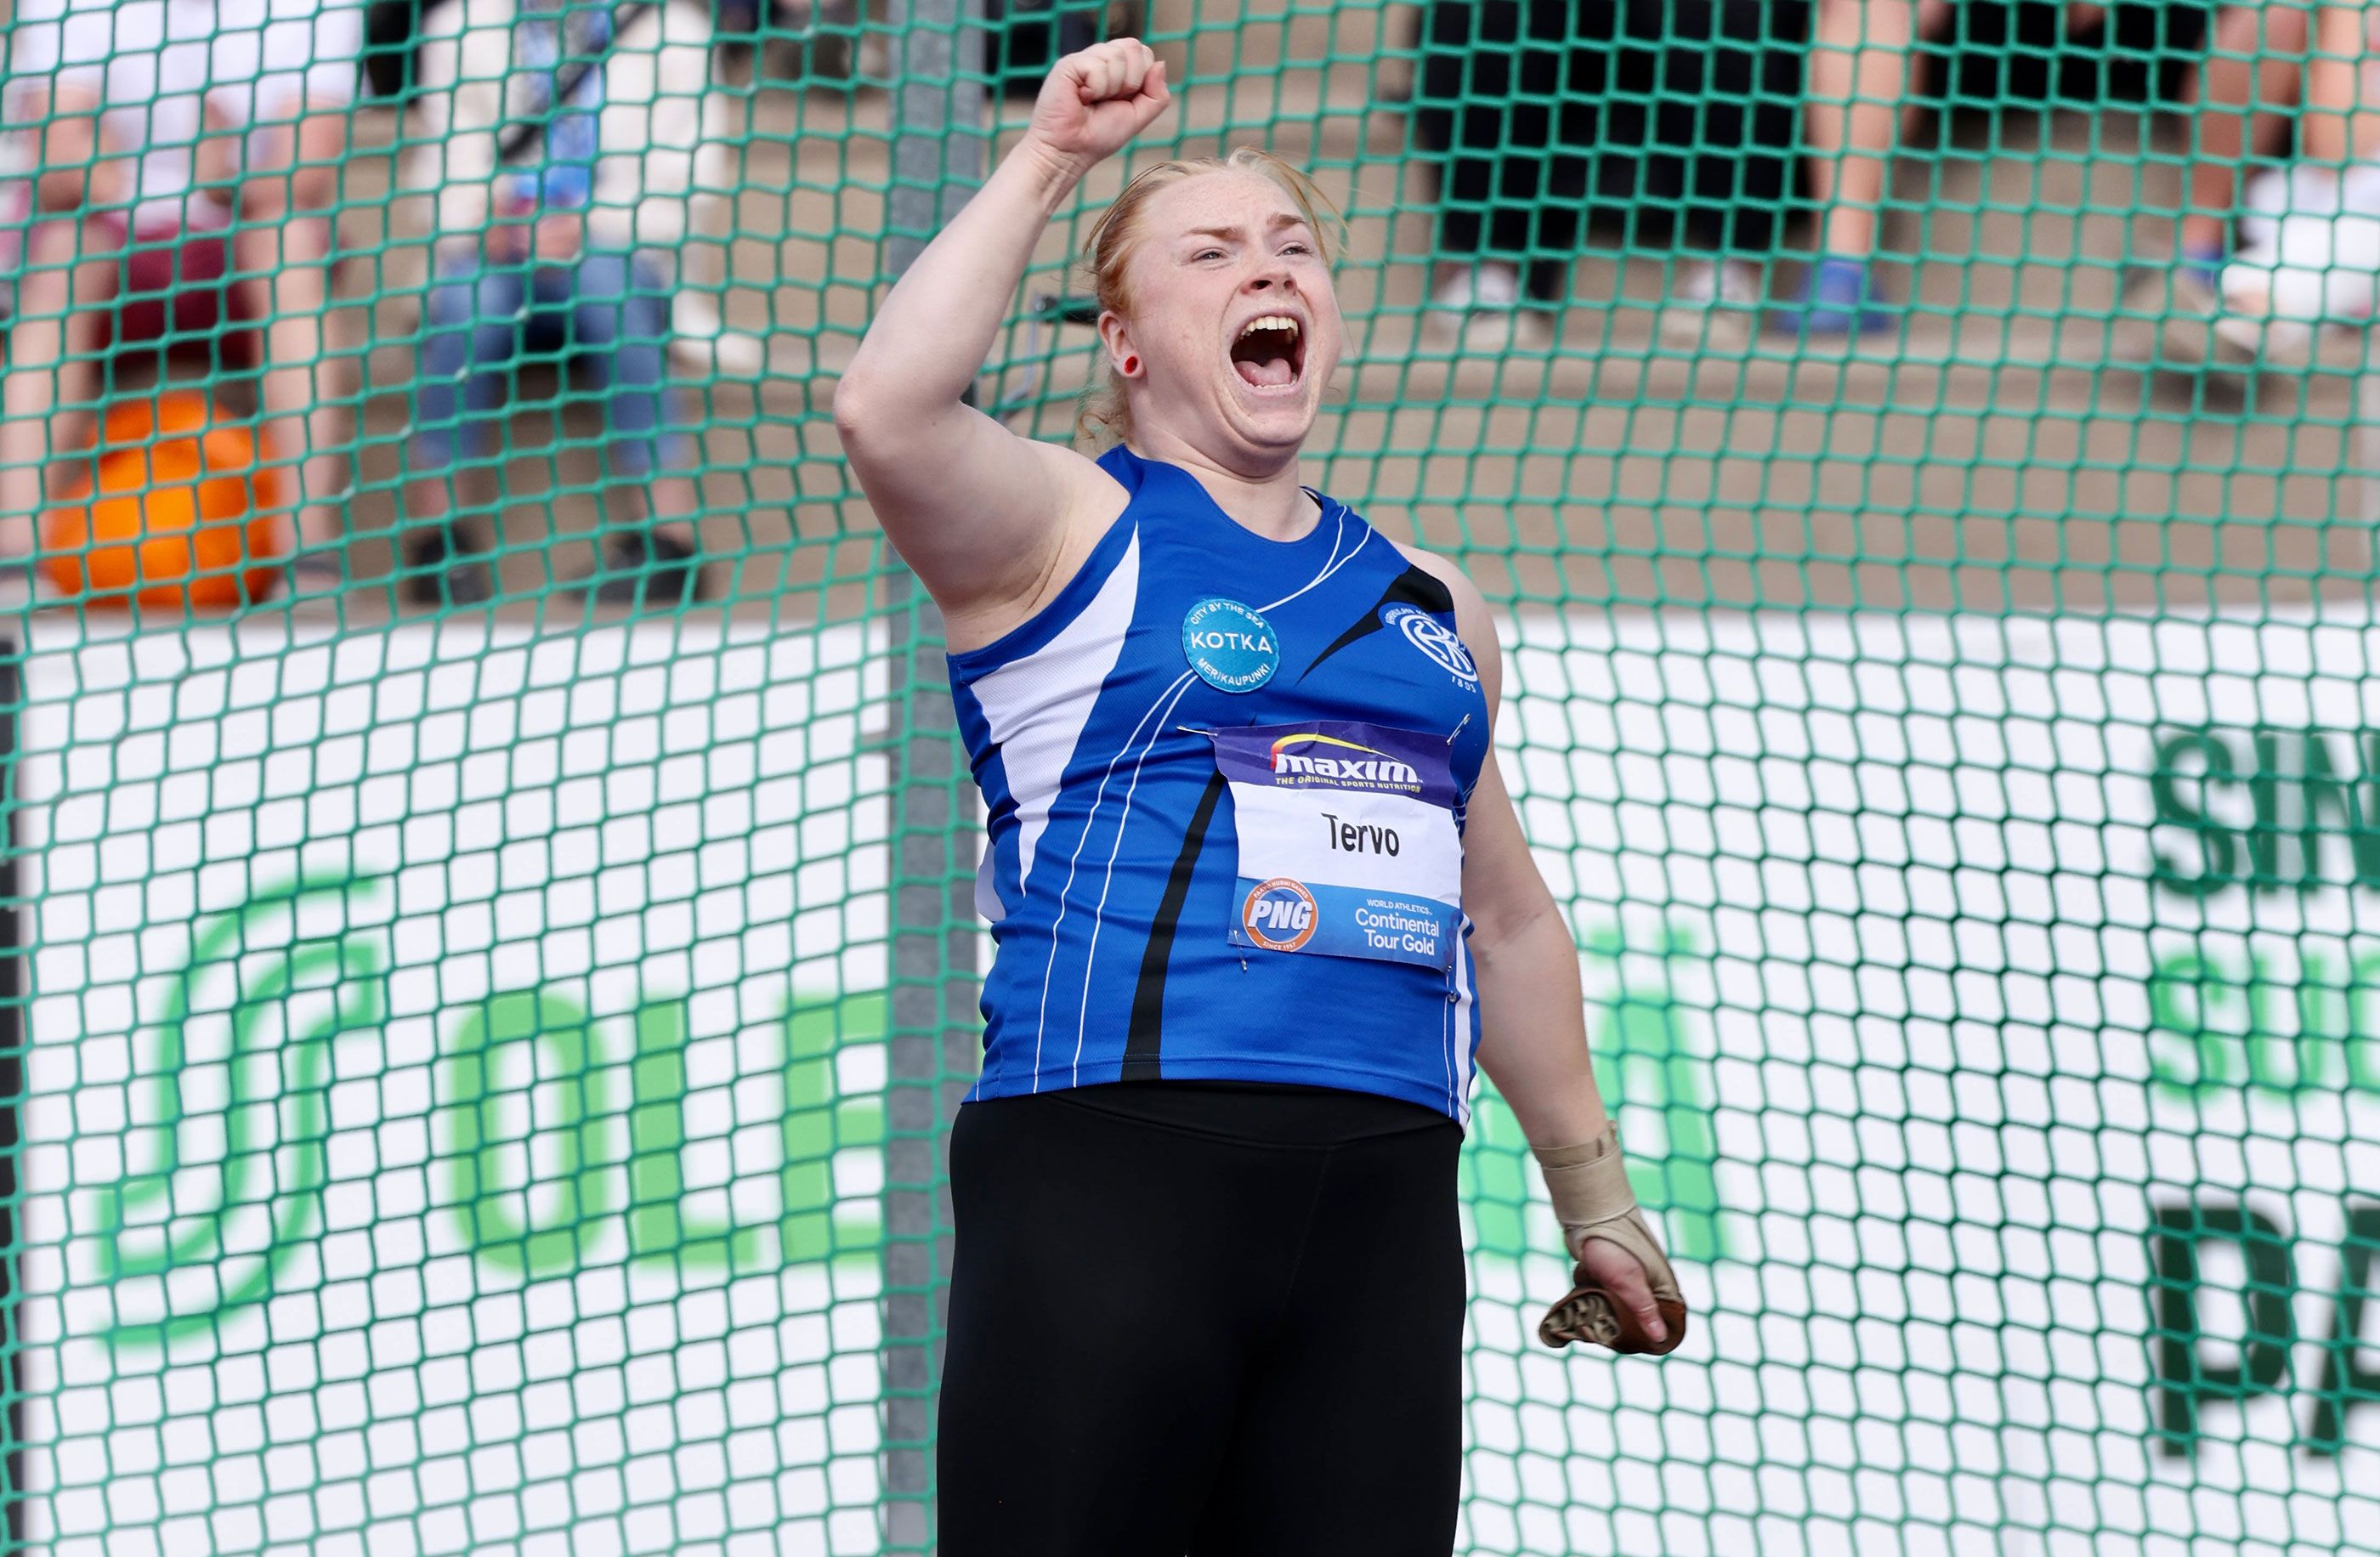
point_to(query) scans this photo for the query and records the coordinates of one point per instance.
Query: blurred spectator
(1724, 133)
(1024, 38)
(1678, 117)
(1667, 113)
(2238, 109)
(159, 147)
(2310, 250)
(393, 30)
(1502, 101)
(1860, 103)
(564, 140)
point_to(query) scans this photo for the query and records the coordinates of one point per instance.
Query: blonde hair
(1104, 418)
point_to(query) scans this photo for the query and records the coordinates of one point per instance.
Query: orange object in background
(184, 516)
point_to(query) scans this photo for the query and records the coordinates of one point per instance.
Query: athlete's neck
(1271, 505)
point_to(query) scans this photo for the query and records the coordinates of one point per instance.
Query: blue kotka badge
(1231, 648)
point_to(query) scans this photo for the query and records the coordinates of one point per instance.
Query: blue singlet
(1226, 778)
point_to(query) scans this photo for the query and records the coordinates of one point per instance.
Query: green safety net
(485, 995)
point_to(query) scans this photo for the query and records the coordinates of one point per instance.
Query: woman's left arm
(1532, 1015)
(1533, 1025)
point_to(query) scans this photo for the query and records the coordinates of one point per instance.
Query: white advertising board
(455, 1090)
(451, 1124)
(2007, 972)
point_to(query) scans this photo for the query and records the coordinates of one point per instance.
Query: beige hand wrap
(1592, 1198)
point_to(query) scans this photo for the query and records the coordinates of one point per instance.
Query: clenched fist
(1095, 101)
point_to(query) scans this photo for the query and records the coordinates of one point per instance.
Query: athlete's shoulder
(1121, 466)
(1472, 622)
(1470, 607)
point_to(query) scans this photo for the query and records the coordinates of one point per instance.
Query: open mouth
(1269, 352)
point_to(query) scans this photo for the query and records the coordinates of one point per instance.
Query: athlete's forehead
(1228, 203)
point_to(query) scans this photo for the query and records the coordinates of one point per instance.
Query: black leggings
(1189, 1322)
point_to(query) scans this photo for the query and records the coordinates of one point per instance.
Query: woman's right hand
(1095, 101)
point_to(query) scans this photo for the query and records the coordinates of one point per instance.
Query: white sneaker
(2260, 320)
(2192, 323)
(2244, 341)
(1519, 328)
(1449, 307)
(1478, 307)
(1714, 303)
(1492, 285)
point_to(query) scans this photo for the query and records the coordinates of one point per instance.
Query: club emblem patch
(1231, 647)
(1435, 639)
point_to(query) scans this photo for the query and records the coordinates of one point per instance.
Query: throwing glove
(1591, 1196)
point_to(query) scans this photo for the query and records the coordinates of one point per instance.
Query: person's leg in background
(1570, 64)
(2342, 110)
(472, 330)
(1530, 234)
(2243, 98)
(1860, 103)
(619, 308)
(2309, 259)
(69, 274)
(2239, 104)
(1467, 68)
(282, 256)
(1741, 76)
(1496, 70)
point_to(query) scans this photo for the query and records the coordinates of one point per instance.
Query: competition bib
(1348, 842)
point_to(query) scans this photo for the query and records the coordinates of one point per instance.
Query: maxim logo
(1369, 766)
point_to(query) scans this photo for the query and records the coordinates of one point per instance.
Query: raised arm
(987, 518)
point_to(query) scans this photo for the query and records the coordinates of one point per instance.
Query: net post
(15, 1504)
(938, 150)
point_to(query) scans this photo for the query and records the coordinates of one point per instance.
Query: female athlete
(1258, 892)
